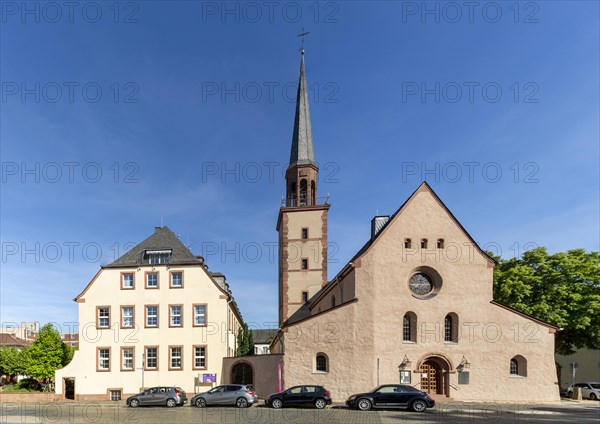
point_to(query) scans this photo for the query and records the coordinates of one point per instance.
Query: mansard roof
(163, 240)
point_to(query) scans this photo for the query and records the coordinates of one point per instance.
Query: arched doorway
(435, 376)
(242, 373)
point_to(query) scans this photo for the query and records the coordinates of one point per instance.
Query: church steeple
(302, 222)
(301, 174)
(302, 144)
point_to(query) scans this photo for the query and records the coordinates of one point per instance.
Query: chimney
(377, 224)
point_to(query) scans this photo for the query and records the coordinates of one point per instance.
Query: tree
(245, 342)
(562, 289)
(14, 361)
(48, 353)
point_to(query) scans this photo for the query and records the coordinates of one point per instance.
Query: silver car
(588, 390)
(240, 395)
(169, 396)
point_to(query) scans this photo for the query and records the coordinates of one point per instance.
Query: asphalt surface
(116, 412)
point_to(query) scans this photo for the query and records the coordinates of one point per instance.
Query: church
(414, 305)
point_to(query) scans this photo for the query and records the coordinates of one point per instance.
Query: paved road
(117, 412)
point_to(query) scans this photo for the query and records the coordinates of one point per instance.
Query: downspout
(228, 314)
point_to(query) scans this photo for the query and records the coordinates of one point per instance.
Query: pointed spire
(302, 145)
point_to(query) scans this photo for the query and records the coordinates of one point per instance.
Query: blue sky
(114, 120)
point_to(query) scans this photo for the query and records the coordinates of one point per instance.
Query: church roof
(302, 145)
(163, 240)
(305, 312)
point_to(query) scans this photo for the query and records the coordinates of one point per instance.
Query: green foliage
(562, 289)
(48, 353)
(14, 361)
(15, 388)
(245, 342)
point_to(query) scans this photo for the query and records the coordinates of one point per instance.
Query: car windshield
(595, 385)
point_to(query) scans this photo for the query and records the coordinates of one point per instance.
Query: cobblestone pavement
(117, 412)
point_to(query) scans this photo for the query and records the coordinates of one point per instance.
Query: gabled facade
(413, 306)
(155, 316)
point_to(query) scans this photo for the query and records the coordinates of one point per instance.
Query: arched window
(514, 367)
(313, 193)
(322, 364)
(292, 195)
(518, 366)
(303, 192)
(451, 328)
(409, 327)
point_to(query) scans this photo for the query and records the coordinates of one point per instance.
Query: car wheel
(171, 403)
(320, 404)
(364, 404)
(418, 405)
(200, 403)
(593, 396)
(276, 403)
(241, 403)
(134, 403)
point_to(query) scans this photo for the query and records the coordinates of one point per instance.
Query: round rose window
(420, 284)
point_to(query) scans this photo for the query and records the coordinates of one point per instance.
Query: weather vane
(303, 34)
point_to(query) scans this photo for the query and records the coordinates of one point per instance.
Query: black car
(316, 396)
(167, 396)
(392, 396)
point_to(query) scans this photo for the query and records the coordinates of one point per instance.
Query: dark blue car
(392, 396)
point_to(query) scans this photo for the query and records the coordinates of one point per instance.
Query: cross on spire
(302, 35)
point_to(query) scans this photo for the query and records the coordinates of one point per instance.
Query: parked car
(391, 396)
(157, 396)
(240, 395)
(316, 396)
(588, 390)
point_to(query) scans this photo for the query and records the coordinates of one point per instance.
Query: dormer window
(157, 257)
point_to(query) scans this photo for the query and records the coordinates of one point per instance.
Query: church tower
(302, 222)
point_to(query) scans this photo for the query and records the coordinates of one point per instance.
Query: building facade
(413, 306)
(155, 316)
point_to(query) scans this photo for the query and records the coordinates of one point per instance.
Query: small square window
(152, 280)
(305, 233)
(177, 279)
(175, 358)
(199, 357)
(115, 395)
(423, 243)
(440, 243)
(127, 317)
(127, 281)
(199, 315)
(104, 317)
(127, 359)
(407, 243)
(304, 263)
(175, 316)
(151, 358)
(304, 296)
(151, 316)
(104, 359)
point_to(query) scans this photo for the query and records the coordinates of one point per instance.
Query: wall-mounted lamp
(463, 364)
(405, 363)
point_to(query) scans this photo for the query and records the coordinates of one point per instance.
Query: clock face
(420, 284)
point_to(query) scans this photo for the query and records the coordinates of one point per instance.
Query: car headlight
(352, 398)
